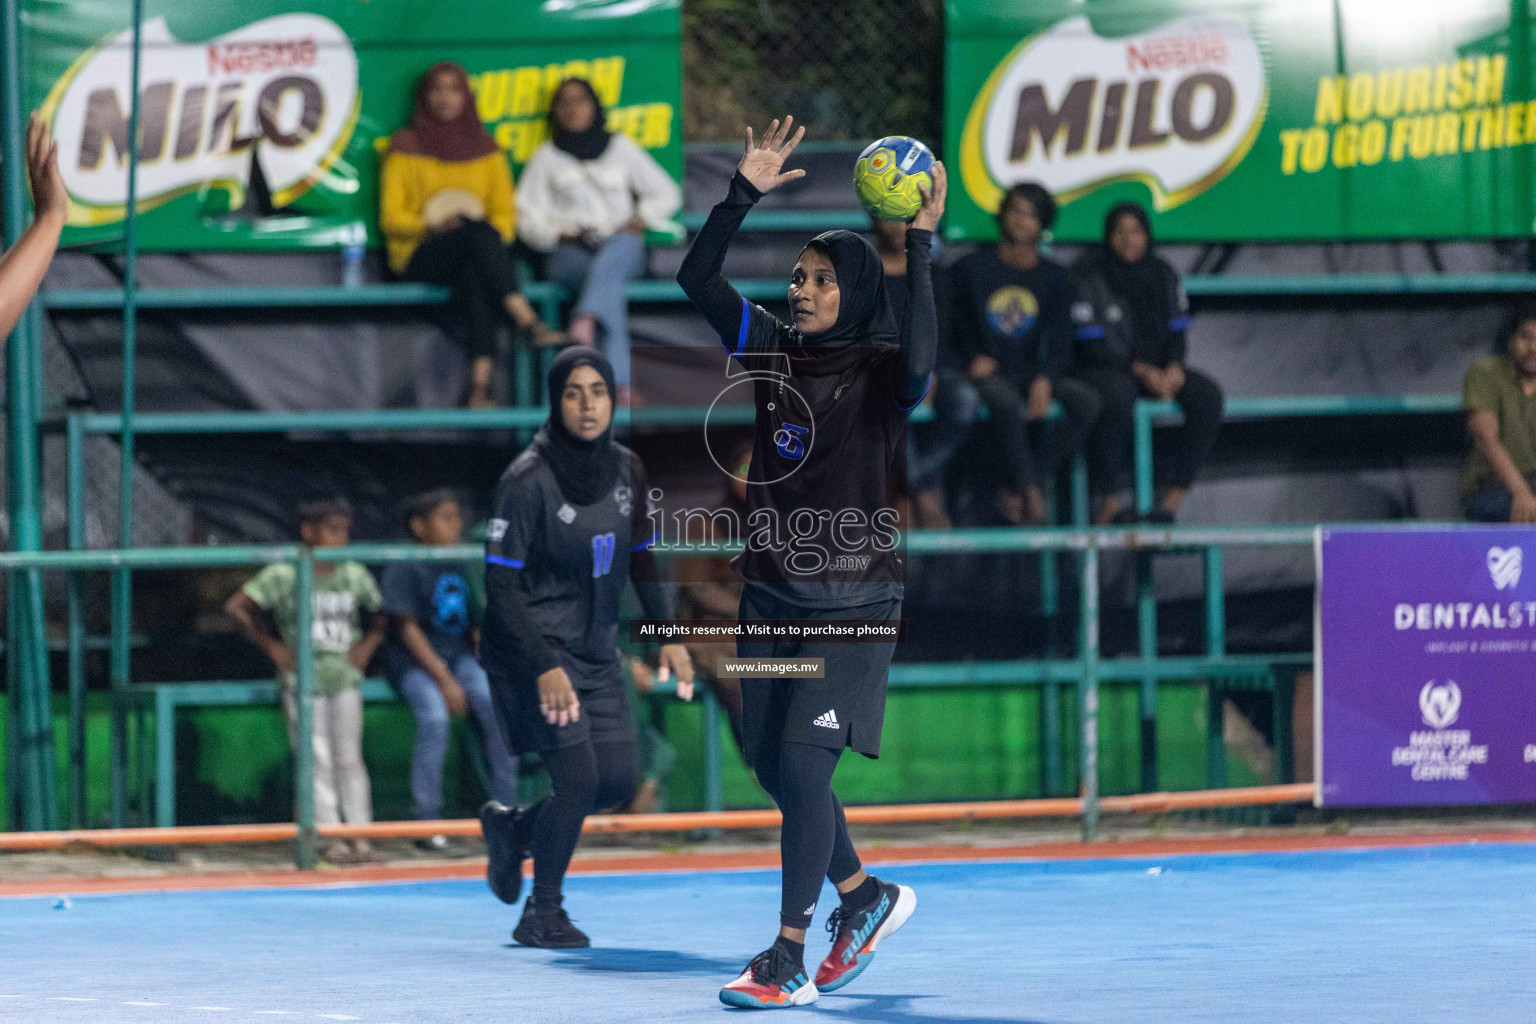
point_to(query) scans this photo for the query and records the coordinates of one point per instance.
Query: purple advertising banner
(1426, 658)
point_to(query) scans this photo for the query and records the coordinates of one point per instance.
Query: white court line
(216, 1009)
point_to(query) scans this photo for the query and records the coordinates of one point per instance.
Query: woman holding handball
(833, 396)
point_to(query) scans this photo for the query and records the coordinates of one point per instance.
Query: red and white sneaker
(856, 935)
(772, 981)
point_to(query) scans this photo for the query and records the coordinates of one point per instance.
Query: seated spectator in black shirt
(1131, 341)
(954, 400)
(1498, 482)
(1012, 327)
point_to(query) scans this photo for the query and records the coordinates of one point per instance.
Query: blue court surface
(1426, 934)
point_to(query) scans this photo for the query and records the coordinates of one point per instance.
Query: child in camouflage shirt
(347, 632)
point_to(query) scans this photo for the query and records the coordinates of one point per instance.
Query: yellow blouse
(407, 181)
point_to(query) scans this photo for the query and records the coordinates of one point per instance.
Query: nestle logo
(243, 58)
(1176, 52)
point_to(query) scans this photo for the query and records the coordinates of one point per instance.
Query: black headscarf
(585, 470)
(863, 315)
(1141, 285)
(589, 143)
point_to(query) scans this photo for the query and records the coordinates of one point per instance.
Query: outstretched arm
(920, 331)
(22, 269)
(760, 171)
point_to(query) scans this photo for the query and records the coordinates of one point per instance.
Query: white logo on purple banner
(1504, 567)
(1440, 704)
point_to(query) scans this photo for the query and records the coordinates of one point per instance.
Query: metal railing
(1085, 670)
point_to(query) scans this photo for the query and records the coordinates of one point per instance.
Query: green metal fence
(1085, 670)
(30, 768)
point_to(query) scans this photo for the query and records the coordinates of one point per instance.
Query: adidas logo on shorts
(827, 721)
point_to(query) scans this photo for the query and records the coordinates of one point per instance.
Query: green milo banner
(308, 93)
(1246, 119)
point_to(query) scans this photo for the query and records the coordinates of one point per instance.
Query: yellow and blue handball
(888, 173)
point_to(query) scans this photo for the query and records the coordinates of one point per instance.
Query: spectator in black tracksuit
(1011, 321)
(1131, 329)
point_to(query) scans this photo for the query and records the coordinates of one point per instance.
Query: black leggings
(583, 778)
(1031, 459)
(476, 265)
(813, 843)
(1109, 447)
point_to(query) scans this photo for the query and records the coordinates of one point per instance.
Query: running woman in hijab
(570, 528)
(833, 392)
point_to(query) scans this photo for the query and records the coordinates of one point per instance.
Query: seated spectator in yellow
(588, 196)
(347, 631)
(1498, 482)
(448, 212)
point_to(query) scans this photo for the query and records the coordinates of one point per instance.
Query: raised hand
(927, 218)
(761, 164)
(49, 196)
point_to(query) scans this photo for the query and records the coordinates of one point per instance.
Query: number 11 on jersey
(602, 555)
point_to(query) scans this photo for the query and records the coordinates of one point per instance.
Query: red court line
(396, 873)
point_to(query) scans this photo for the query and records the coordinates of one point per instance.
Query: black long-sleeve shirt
(829, 431)
(1105, 319)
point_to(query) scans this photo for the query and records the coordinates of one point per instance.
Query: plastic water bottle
(353, 254)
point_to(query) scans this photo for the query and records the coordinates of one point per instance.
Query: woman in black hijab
(833, 391)
(1131, 342)
(587, 198)
(571, 526)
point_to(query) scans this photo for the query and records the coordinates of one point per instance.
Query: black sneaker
(548, 928)
(856, 935)
(773, 980)
(505, 848)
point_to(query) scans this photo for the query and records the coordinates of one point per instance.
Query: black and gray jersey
(572, 561)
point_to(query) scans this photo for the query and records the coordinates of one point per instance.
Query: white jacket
(561, 195)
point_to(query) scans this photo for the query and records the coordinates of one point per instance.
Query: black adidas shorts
(606, 715)
(846, 708)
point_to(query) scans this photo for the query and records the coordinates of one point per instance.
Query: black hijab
(589, 143)
(585, 470)
(1140, 285)
(863, 315)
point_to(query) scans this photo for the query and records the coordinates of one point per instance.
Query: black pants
(813, 842)
(476, 265)
(1036, 450)
(583, 778)
(1109, 446)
